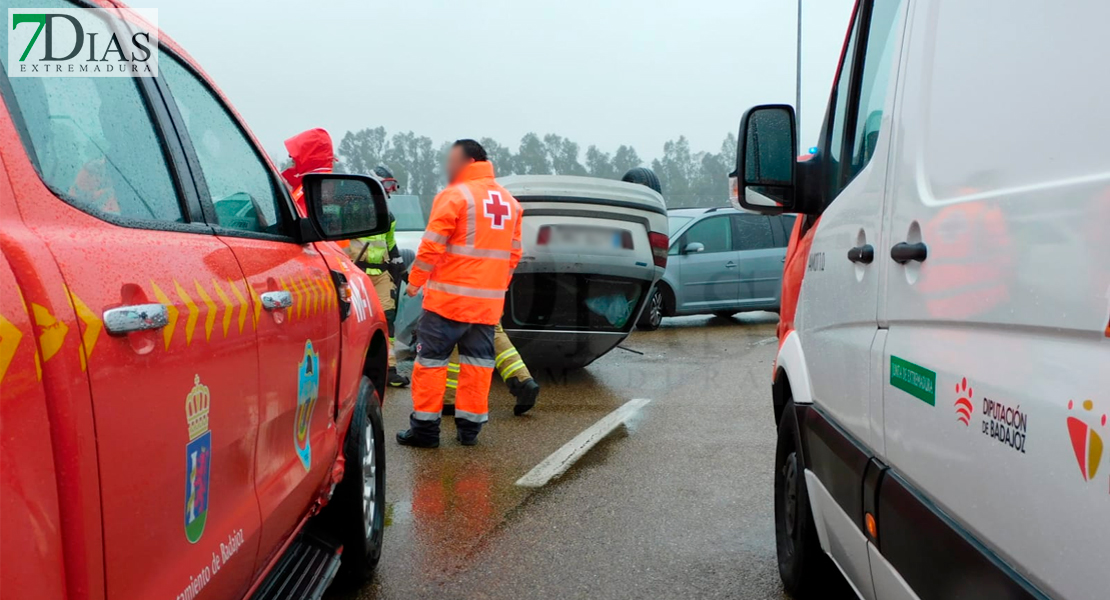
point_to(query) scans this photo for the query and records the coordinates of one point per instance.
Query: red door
(176, 406)
(298, 329)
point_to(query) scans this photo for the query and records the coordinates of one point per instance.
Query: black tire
(805, 569)
(652, 316)
(643, 176)
(357, 509)
(408, 256)
(724, 314)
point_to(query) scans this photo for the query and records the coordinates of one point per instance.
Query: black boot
(526, 392)
(396, 379)
(420, 434)
(467, 431)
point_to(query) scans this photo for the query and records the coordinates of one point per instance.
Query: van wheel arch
(780, 393)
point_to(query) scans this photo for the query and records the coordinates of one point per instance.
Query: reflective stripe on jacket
(468, 253)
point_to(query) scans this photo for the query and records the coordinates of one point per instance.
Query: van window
(877, 67)
(715, 233)
(753, 232)
(239, 182)
(95, 145)
(838, 115)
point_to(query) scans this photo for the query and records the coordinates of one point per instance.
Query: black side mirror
(343, 207)
(767, 148)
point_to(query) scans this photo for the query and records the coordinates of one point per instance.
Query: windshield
(408, 212)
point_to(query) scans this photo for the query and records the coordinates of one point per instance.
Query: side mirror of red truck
(343, 207)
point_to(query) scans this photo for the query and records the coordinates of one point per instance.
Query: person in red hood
(311, 152)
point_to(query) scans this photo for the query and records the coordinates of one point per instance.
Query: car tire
(724, 314)
(653, 313)
(643, 176)
(805, 569)
(407, 257)
(357, 509)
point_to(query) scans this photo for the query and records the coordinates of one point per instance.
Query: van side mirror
(343, 207)
(767, 148)
(693, 248)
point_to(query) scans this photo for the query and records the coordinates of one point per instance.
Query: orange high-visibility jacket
(469, 251)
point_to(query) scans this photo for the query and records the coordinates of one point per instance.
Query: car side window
(714, 233)
(753, 232)
(239, 182)
(874, 83)
(96, 147)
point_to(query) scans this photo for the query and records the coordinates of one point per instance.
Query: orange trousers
(436, 338)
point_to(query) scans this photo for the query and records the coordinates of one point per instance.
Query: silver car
(721, 261)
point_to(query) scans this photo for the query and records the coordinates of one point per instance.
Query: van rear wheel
(652, 316)
(805, 569)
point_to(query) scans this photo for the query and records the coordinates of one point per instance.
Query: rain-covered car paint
(101, 433)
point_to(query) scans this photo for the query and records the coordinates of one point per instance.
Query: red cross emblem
(496, 210)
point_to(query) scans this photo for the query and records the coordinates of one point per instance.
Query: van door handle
(137, 317)
(904, 252)
(730, 265)
(276, 300)
(862, 254)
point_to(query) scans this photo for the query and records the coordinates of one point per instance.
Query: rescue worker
(311, 152)
(379, 257)
(465, 262)
(509, 365)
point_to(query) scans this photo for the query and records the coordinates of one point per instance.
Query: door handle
(136, 317)
(730, 265)
(276, 300)
(862, 254)
(904, 252)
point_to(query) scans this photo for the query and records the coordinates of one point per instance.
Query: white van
(942, 399)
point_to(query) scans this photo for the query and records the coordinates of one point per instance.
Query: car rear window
(408, 212)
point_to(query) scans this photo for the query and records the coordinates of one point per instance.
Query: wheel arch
(376, 365)
(669, 299)
(791, 378)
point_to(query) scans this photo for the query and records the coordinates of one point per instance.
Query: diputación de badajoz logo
(82, 42)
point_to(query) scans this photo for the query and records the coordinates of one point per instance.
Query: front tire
(358, 506)
(652, 316)
(804, 567)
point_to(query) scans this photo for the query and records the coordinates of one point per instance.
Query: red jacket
(311, 152)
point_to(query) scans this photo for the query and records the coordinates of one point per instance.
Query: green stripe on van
(915, 380)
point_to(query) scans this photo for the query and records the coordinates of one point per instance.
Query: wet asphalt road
(677, 504)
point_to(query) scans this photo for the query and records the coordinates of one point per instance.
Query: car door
(295, 320)
(1003, 307)
(759, 261)
(709, 277)
(838, 318)
(172, 366)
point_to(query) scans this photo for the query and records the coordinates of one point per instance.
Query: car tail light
(544, 236)
(659, 243)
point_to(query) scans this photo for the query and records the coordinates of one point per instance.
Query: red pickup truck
(191, 372)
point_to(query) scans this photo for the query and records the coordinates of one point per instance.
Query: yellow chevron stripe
(171, 309)
(228, 306)
(257, 304)
(93, 327)
(210, 313)
(53, 331)
(38, 362)
(243, 304)
(194, 312)
(10, 336)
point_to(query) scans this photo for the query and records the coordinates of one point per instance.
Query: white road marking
(561, 460)
(763, 342)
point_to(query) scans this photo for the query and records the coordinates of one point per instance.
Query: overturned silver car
(593, 249)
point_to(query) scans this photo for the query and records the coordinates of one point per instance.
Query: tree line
(688, 178)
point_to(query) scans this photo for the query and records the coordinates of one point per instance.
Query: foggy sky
(596, 71)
